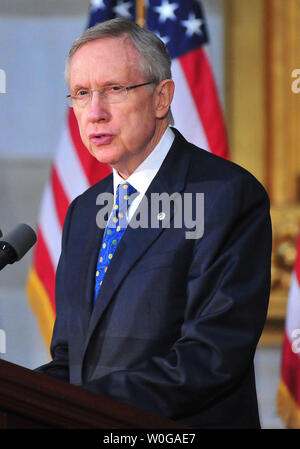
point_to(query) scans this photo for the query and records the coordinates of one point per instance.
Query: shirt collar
(141, 178)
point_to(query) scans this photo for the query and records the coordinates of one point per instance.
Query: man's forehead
(109, 48)
(105, 60)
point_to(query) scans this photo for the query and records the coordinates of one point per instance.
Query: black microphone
(0, 233)
(15, 244)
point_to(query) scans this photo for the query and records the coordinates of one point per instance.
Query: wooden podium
(29, 399)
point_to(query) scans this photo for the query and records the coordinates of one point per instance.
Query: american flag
(288, 397)
(196, 109)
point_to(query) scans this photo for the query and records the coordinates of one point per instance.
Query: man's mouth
(100, 139)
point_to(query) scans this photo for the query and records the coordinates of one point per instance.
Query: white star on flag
(122, 9)
(193, 25)
(97, 4)
(166, 10)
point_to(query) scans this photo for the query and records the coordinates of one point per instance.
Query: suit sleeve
(58, 367)
(226, 306)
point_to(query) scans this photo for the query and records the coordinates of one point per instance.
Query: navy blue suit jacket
(176, 322)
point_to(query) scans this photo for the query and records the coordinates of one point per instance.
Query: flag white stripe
(184, 109)
(68, 166)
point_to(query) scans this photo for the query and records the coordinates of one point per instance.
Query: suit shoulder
(84, 206)
(210, 167)
(101, 186)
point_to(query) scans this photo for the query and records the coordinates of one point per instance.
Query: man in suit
(173, 325)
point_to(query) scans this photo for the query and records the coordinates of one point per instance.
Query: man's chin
(104, 155)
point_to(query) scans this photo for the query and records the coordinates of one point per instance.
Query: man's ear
(164, 94)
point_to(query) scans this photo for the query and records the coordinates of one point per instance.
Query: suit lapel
(90, 253)
(170, 178)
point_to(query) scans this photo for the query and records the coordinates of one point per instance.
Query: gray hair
(155, 60)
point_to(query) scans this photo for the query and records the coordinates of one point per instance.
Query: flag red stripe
(290, 369)
(44, 267)
(200, 79)
(60, 198)
(93, 171)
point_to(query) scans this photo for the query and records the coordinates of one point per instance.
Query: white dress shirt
(143, 175)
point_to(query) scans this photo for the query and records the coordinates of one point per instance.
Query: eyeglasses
(110, 94)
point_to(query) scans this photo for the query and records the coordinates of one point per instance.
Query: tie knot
(124, 192)
(126, 188)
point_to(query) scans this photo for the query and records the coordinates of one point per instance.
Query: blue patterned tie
(115, 229)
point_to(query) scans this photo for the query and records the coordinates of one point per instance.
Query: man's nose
(98, 110)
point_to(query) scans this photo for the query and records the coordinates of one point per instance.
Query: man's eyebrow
(77, 87)
(106, 84)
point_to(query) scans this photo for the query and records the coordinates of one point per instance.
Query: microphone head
(21, 238)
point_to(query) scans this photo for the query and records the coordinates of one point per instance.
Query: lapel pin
(161, 216)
